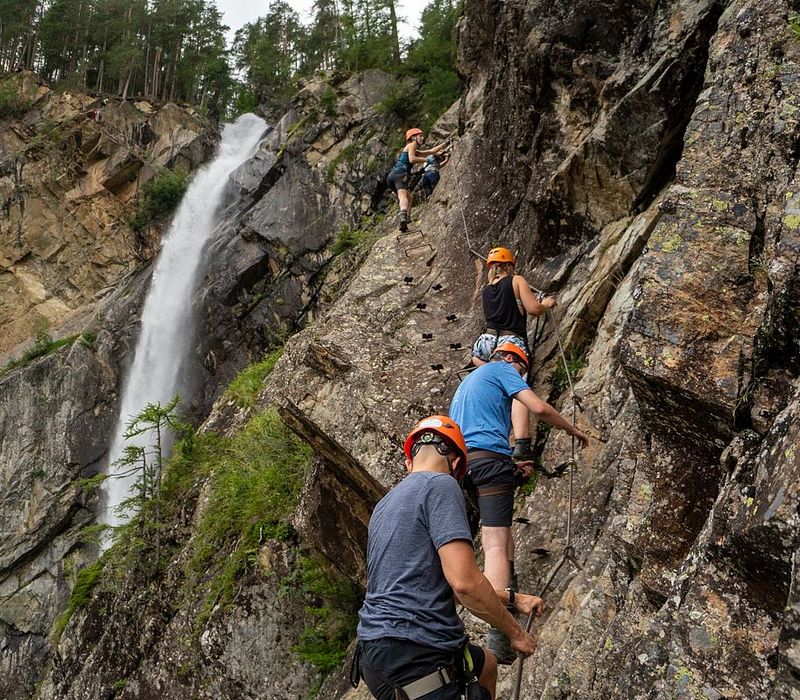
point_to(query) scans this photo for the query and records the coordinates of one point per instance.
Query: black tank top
(500, 307)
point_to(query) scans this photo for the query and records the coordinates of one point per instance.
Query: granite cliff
(641, 157)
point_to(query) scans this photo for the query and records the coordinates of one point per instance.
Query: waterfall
(167, 329)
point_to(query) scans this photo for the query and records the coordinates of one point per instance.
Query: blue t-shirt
(408, 596)
(482, 406)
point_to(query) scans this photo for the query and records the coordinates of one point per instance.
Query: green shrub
(575, 363)
(12, 104)
(86, 580)
(346, 239)
(332, 603)
(402, 101)
(255, 481)
(794, 25)
(327, 101)
(529, 487)
(88, 338)
(245, 387)
(349, 237)
(160, 197)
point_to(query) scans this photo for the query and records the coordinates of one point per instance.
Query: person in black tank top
(507, 302)
(500, 307)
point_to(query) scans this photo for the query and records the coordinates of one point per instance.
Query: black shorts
(397, 180)
(401, 662)
(495, 474)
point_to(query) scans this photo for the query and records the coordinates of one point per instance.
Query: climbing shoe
(404, 219)
(523, 450)
(499, 644)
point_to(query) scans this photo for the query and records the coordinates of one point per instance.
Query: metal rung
(417, 247)
(410, 232)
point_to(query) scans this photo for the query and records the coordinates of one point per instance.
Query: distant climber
(430, 175)
(482, 407)
(398, 177)
(507, 302)
(420, 564)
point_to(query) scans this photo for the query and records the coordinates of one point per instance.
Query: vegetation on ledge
(244, 389)
(160, 197)
(45, 345)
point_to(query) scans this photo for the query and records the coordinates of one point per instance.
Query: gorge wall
(264, 278)
(641, 157)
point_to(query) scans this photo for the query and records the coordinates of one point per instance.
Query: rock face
(70, 168)
(273, 263)
(641, 158)
(268, 261)
(43, 507)
(641, 164)
(66, 181)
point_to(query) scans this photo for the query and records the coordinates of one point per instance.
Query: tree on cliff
(148, 432)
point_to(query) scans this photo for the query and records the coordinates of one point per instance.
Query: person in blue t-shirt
(482, 407)
(420, 563)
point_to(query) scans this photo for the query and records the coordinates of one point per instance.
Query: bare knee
(495, 549)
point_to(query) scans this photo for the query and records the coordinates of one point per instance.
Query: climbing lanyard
(568, 553)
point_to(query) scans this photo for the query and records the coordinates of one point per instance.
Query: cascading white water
(167, 330)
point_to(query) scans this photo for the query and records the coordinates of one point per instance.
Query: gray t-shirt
(408, 596)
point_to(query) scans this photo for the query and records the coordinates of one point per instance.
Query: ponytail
(499, 269)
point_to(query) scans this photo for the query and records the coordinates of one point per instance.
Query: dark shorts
(401, 662)
(397, 180)
(494, 474)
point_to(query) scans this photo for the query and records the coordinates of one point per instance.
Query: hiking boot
(523, 450)
(404, 219)
(499, 644)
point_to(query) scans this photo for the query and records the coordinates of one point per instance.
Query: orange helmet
(515, 350)
(411, 133)
(500, 255)
(445, 428)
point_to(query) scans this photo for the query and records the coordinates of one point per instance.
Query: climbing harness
(460, 671)
(568, 553)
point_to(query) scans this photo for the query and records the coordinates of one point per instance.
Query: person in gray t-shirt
(419, 558)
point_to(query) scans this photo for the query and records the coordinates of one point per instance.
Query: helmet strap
(442, 446)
